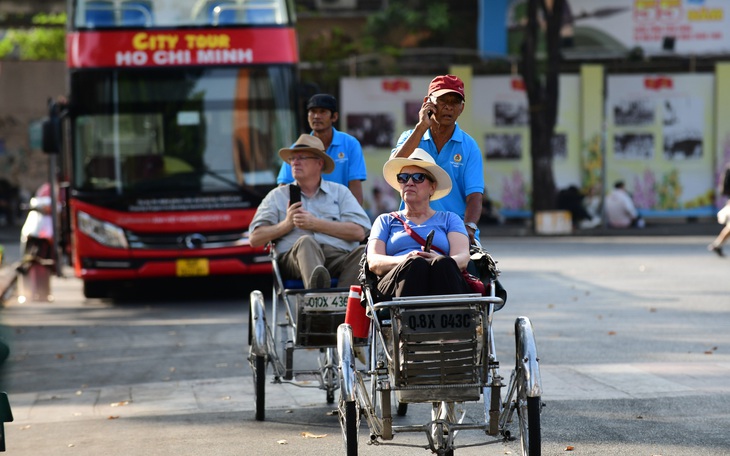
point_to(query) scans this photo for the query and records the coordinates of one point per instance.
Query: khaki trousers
(306, 254)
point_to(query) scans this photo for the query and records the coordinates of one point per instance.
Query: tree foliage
(408, 23)
(402, 24)
(45, 41)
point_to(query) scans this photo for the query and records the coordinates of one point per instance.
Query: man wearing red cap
(455, 151)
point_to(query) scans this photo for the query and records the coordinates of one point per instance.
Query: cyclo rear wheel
(260, 387)
(259, 351)
(529, 389)
(348, 410)
(528, 412)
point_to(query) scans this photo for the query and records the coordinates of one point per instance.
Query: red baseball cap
(441, 85)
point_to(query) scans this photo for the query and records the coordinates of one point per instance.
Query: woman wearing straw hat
(395, 251)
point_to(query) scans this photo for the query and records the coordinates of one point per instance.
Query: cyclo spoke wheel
(259, 374)
(349, 422)
(528, 412)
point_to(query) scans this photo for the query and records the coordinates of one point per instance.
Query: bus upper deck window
(222, 12)
(260, 12)
(99, 14)
(137, 13)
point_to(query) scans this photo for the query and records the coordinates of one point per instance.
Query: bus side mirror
(50, 135)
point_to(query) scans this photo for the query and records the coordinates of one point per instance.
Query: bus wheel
(96, 289)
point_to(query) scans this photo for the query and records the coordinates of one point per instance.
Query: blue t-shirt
(398, 242)
(346, 152)
(462, 160)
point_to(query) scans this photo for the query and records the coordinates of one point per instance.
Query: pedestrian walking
(723, 217)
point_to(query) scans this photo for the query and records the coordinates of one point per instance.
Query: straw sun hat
(422, 159)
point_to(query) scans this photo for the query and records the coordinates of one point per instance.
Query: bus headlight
(104, 233)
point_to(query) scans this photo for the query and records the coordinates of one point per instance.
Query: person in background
(723, 216)
(457, 153)
(318, 237)
(402, 264)
(572, 200)
(620, 209)
(345, 150)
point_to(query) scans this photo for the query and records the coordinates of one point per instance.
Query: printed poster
(659, 141)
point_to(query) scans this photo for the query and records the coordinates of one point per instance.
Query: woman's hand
(420, 253)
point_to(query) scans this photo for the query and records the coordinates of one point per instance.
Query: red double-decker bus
(176, 110)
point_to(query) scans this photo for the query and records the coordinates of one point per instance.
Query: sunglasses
(416, 177)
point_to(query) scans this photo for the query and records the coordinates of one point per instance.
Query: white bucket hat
(422, 159)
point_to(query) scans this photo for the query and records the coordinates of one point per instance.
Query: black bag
(486, 269)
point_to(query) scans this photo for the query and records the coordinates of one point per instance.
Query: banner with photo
(656, 26)
(501, 112)
(659, 141)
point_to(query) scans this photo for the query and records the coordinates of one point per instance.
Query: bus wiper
(242, 187)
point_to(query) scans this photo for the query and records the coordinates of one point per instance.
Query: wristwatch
(472, 225)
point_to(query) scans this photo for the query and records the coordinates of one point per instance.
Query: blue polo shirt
(462, 160)
(346, 152)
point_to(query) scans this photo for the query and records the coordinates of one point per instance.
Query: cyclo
(439, 350)
(299, 319)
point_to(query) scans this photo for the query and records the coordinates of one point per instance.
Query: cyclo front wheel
(349, 428)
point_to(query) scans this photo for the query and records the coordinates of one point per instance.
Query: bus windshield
(92, 14)
(172, 130)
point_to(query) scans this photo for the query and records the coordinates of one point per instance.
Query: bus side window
(99, 13)
(137, 13)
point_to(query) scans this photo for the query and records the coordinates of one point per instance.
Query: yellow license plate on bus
(188, 267)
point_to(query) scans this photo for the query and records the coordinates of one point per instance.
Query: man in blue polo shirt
(344, 149)
(455, 151)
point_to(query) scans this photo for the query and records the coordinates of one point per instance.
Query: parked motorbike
(36, 249)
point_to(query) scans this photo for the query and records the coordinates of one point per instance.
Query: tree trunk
(542, 98)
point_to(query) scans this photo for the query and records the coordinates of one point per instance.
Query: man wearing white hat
(317, 237)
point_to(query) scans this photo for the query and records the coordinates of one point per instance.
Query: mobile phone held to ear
(295, 194)
(429, 240)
